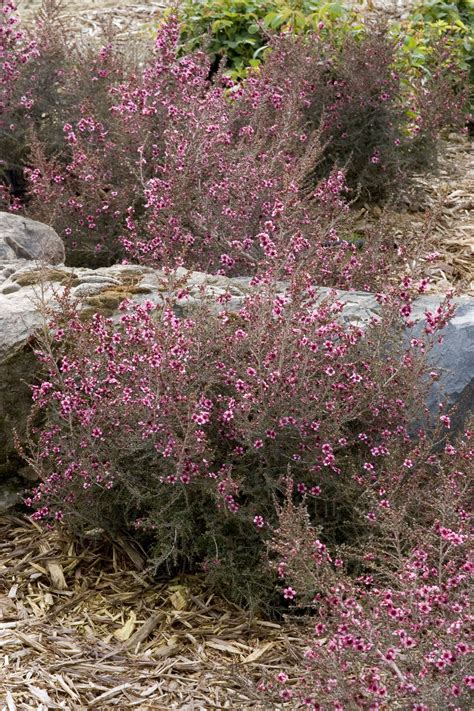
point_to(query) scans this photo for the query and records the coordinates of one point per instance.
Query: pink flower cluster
(398, 635)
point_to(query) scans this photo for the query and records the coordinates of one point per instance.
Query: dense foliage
(239, 32)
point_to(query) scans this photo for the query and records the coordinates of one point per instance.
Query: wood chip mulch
(450, 193)
(84, 629)
(87, 17)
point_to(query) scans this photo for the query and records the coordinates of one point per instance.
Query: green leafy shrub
(230, 28)
(429, 24)
(239, 31)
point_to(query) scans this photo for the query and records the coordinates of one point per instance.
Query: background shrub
(174, 170)
(149, 160)
(229, 29)
(434, 19)
(417, 61)
(239, 32)
(170, 169)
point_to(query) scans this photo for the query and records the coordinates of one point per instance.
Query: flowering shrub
(153, 162)
(181, 431)
(15, 53)
(395, 633)
(390, 89)
(51, 79)
(370, 120)
(186, 175)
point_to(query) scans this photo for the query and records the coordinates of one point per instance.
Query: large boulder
(28, 285)
(25, 239)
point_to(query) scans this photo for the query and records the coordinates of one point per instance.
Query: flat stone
(87, 288)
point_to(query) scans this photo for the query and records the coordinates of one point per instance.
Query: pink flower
(289, 593)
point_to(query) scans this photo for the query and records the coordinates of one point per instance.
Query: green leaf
(219, 25)
(269, 18)
(253, 29)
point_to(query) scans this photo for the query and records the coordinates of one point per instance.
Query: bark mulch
(449, 192)
(88, 629)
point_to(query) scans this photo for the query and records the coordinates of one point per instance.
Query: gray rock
(9, 494)
(23, 238)
(454, 356)
(90, 289)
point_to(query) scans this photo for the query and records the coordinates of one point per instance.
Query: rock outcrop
(23, 243)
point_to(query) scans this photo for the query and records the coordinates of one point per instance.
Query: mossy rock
(39, 276)
(108, 301)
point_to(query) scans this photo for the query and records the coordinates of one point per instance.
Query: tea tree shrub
(152, 161)
(181, 432)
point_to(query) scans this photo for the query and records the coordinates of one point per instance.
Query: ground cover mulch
(448, 193)
(87, 17)
(437, 211)
(87, 628)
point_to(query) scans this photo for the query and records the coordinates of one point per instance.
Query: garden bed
(91, 626)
